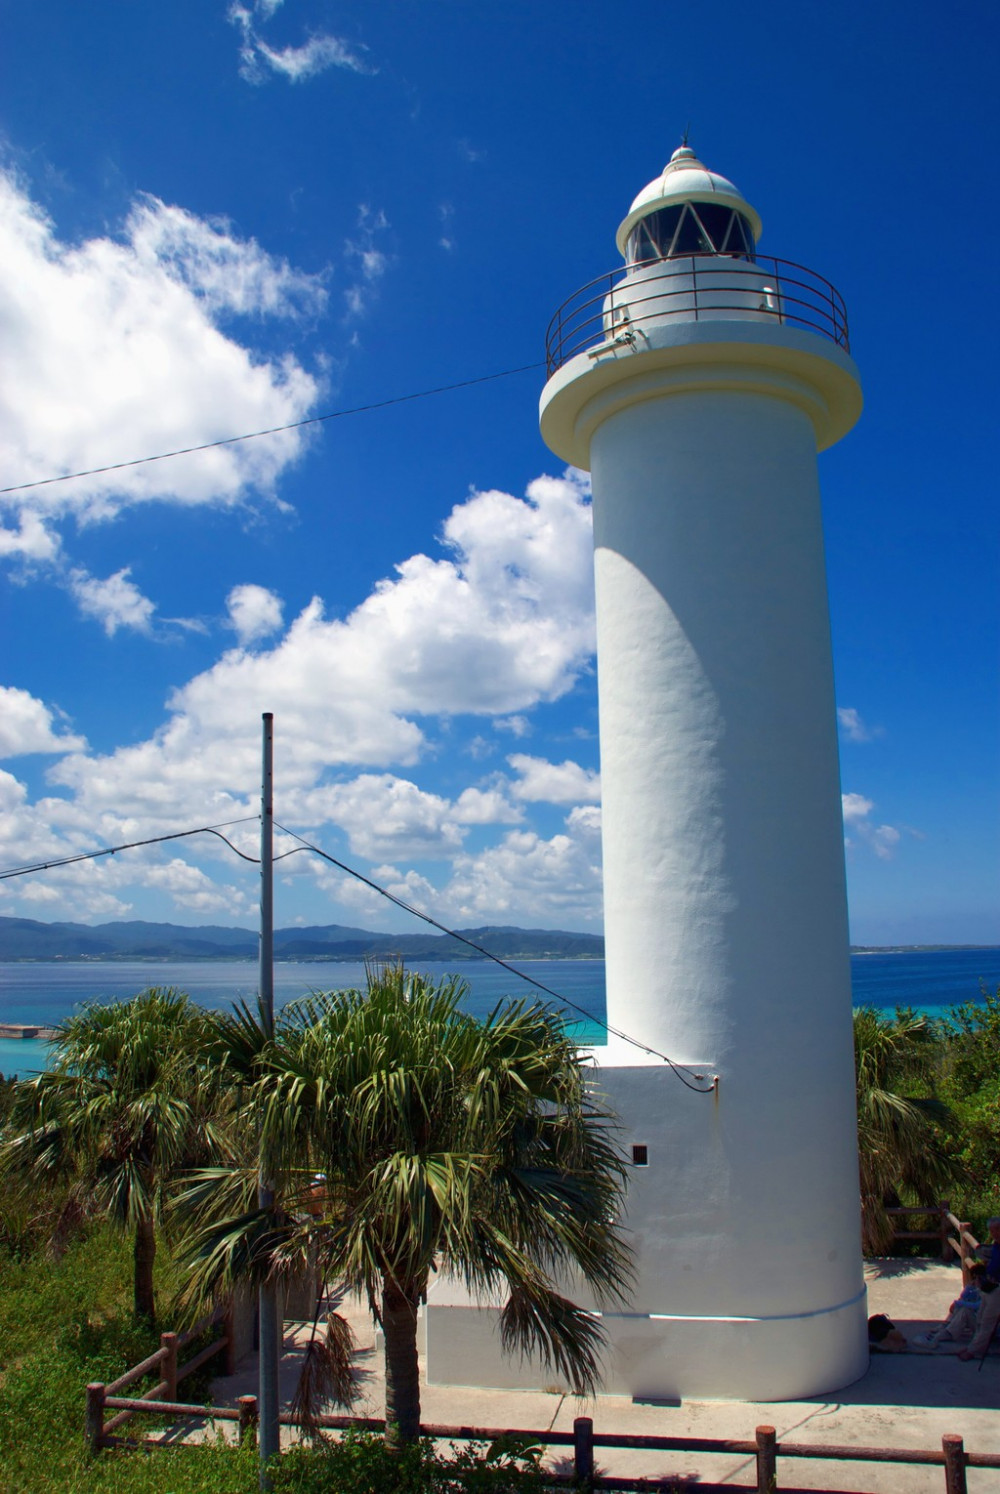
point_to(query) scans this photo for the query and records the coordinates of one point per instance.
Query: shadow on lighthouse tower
(697, 383)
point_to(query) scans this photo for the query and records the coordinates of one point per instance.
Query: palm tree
(445, 1143)
(126, 1104)
(898, 1143)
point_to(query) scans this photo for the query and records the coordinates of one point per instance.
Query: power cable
(154, 840)
(274, 430)
(679, 1069)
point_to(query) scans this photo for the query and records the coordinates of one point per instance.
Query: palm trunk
(145, 1255)
(402, 1375)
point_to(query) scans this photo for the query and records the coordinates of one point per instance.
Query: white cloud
(296, 63)
(385, 816)
(190, 888)
(518, 726)
(585, 820)
(26, 725)
(486, 807)
(29, 538)
(254, 612)
(881, 839)
(371, 261)
(375, 910)
(853, 728)
(554, 783)
(227, 273)
(505, 622)
(142, 309)
(856, 807)
(885, 839)
(502, 621)
(116, 602)
(529, 879)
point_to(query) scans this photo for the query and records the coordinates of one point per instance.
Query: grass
(64, 1323)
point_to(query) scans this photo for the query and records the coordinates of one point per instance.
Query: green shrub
(361, 1463)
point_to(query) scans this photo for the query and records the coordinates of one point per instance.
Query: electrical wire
(154, 840)
(274, 430)
(680, 1069)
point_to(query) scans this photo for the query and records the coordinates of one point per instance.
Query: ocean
(45, 992)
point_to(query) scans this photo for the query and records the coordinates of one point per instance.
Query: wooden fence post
(248, 1415)
(583, 1450)
(945, 1208)
(95, 1417)
(966, 1261)
(767, 1460)
(954, 1464)
(168, 1365)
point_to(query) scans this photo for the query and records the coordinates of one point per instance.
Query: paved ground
(906, 1400)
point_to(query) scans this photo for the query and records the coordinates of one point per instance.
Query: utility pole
(269, 1322)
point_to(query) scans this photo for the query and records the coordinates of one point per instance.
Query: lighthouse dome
(657, 226)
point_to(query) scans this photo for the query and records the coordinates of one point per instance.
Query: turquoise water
(46, 992)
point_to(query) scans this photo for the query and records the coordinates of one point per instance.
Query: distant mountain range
(26, 939)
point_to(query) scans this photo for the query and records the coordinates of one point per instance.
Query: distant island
(28, 939)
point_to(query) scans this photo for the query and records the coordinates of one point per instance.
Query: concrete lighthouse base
(740, 1294)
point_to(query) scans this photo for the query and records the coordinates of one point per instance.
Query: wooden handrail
(963, 1237)
(209, 1352)
(153, 1361)
(765, 1447)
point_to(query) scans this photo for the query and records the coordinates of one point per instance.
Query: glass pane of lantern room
(691, 237)
(641, 246)
(715, 219)
(740, 240)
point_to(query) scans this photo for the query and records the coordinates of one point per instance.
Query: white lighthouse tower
(697, 385)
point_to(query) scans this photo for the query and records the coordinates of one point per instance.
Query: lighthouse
(697, 382)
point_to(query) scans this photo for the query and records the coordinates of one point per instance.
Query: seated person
(989, 1313)
(962, 1314)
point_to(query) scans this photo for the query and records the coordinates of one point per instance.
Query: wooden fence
(765, 1449)
(955, 1235)
(165, 1360)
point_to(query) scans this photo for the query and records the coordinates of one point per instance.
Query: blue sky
(221, 217)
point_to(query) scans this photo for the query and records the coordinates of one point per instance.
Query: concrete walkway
(906, 1400)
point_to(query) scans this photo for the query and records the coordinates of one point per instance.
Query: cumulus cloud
(142, 308)
(530, 879)
(27, 725)
(192, 889)
(554, 783)
(505, 621)
(585, 820)
(254, 613)
(258, 59)
(499, 621)
(116, 602)
(475, 806)
(385, 816)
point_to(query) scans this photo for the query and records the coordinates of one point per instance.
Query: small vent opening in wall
(640, 1156)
